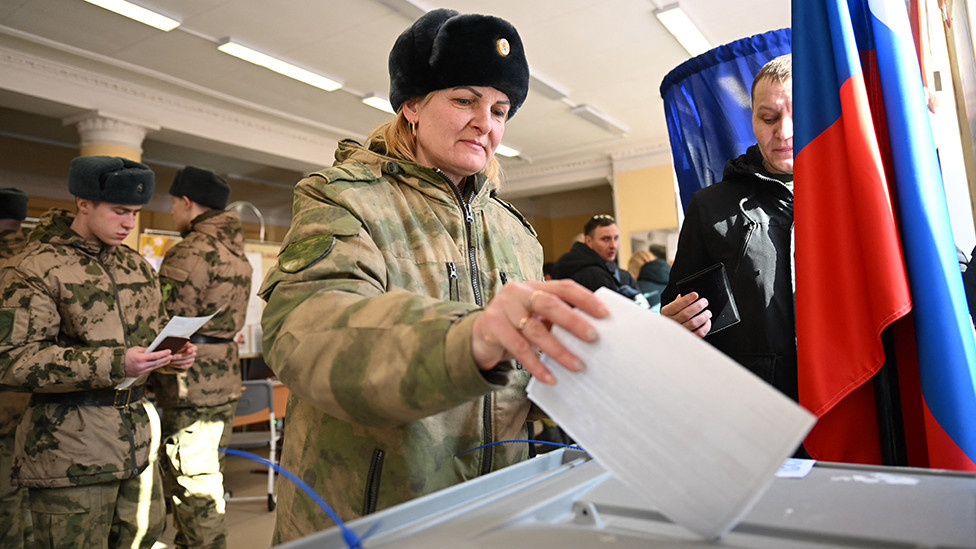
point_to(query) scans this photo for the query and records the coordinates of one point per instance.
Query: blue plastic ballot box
(564, 499)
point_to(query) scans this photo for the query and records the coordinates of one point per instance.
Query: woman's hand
(685, 310)
(517, 323)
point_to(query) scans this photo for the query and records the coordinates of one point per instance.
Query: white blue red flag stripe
(874, 249)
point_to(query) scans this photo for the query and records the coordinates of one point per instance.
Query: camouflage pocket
(13, 326)
(61, 501)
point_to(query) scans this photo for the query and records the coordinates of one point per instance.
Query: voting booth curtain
(706, 104)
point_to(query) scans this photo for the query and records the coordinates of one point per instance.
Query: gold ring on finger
(522, 323)
(532, 297)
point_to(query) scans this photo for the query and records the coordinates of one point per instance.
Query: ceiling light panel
(683, 29)
(379, 102)
(597, 118)
(138, 13)
(230, 47)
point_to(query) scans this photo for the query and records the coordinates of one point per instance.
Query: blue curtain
(706, 104)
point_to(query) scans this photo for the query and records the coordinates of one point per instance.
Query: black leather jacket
(746, 222)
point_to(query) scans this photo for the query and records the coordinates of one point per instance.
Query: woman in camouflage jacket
(403, 290)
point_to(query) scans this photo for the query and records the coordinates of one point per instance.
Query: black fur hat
(13, 204)
(444, 49)
(201, 186)
(111, 179)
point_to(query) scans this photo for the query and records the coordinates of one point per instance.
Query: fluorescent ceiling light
(377, 101)
(538, 83)
(506, 151)
(138, 13)
(230, 47)
(594, 116)
(683, 29)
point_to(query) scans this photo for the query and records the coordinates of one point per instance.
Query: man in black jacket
(591, 262)
(746, 222)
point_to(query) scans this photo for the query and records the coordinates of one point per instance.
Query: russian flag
(874, 249)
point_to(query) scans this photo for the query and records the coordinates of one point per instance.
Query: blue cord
(570, 446)
(350, 537)
(352, 540)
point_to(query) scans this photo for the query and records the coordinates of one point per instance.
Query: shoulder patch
(301, 254)
(349, 171)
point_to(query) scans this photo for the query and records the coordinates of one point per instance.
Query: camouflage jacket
(205, 272)
(368, 323)
(12, 403)
(69, 308)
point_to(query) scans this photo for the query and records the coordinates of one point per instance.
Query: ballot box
(566, 500)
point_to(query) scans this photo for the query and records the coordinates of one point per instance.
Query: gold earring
(413, 129)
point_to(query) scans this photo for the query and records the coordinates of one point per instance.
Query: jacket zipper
(123, 412)
(452, 282)
(487, 453)
(373, 482)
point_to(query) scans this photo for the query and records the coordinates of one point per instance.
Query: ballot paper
(694, 433)
(176, 332)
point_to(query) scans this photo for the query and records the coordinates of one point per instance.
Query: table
(280, 396)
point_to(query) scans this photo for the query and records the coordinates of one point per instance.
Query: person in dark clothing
(653, 276)
(548, 270)
(746, 222)
(969, 280)
(592, 263)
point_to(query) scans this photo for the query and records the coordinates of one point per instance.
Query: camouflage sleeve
(177, 274)
(344, 342)
(199, 277)
(29, 354)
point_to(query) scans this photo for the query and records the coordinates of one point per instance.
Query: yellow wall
(645, 200)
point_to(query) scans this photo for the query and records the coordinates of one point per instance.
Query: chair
(257, 399)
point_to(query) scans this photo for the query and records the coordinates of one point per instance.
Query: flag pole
(891, 430)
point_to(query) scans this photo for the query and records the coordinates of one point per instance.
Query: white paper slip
(795, 468)
(696, 434)
(176, 332)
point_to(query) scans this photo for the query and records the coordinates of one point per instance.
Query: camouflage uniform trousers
(193, 472)
(16, 531)
(126, 513)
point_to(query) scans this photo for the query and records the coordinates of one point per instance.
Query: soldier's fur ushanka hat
(444, 49)
(13, 204)
(111, 179)
(201, 186)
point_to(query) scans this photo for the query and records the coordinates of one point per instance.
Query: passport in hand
(712, 283)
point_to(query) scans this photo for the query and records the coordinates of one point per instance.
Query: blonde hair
(400, 141)
(637, 261)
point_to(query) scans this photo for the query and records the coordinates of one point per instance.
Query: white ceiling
(610, 55)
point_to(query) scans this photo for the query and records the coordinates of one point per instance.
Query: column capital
(99, 132)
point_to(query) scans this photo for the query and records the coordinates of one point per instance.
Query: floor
(249, 523)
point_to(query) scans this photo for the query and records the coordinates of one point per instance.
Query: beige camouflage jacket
(12, 403)
(68, 310)
(205, 272)
(368, 323)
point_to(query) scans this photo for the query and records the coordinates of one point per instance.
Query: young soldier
(76, 312)
(15, 525)
(206, 272)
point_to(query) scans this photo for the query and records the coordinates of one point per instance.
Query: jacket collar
(428, 181)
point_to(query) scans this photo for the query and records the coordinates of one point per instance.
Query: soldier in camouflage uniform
(406, 286)
(15, 523)
(206, 272)
(77, 309)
